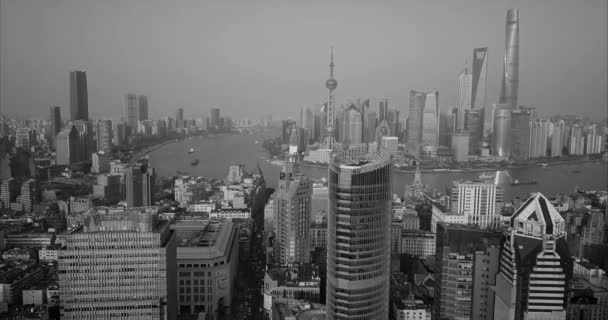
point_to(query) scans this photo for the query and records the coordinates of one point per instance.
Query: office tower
(207, 259)
(479, 201)
(317, 130)
(414, 122)
(118, 134)
(108, 188)
(487, 129)
(292, 205)
(30, 195)
(104, 135)
(535, 266)
(148, 183)
(358, 276)
(133, 180)
(354, 126)
(100, 162)
(9, 191)
(331, 84)
(539, 134)
(455, 280)
(557, 138)
(131, 110)
(460, 146)
(520, 134)
(179, 118)
(79, 97)
(382, 110)
(389, 144)
(479, 80)
(473, 124)
(464, 97)
(85, 139)
(22, 138)
(501, 135)
(510, 73)
(55, 124)
(485, 269)
(393, 121)
(430, 125)
(68, 148)
(142, 113)
(214, 121)
(370, 126)
(120, 264)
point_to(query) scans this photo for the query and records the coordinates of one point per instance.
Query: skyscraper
(104, 135)
(214, 121)
(131, 112)
(557, 138)
(383, 110)
(430, 125)
(142, 112)
(510, 74)
(502, 129)
(179, 118)
(457, 248)
(520, 134)
(464, 97)
(133, 181)
(414, 122)
(55, 124)
(473, 123)
(479, 201)
(79, 98)
(120, 264)
(148, 183)
(535, 265)
(479, 80)
(539, 134)
(292, 206)
(68, 150)
(353, 125)
(358, 235)
(331, 84)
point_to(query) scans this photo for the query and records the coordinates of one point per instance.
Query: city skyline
(113, 73)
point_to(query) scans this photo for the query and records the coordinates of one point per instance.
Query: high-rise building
(414, 122)
(370, 124)
(79, 97)
(557, 138)
(353, 126)
(68, 148)
(131, 110)
(100, 162)
(358, 275)
(331, 84)
(179, 118)
(214, 119)
(519, 136)
(120, 264)
(148, 184)
(479, 201)
(464, 97)
(235, 174)
(104, 135)
(142, 112)
(383, 109)
(55, 124)
(473, 124)
(577, 140)
(479, 80)
(457, 248)
(389, 144)
(501, 133)
(207, 260)
(292, 207)
(23, 138)
(133, 181)
(460, 146)
(535, 264)
(85, 139)
(510, 73)
(539, 135)
(430, 125)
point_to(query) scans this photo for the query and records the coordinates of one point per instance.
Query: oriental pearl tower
(331, 84)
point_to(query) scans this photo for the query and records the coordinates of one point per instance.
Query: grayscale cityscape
(311, 160)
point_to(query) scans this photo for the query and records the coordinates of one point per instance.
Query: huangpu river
(217, 152)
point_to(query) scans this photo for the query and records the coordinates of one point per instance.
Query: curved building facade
(358, 236)
(510, 74)
(502, 127)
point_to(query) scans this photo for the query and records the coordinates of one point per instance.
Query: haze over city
(270, 57)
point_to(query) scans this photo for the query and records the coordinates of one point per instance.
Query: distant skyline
(271, 57)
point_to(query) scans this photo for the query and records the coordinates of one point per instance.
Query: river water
(217, 152)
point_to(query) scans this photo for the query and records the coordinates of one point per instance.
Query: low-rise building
(14, 279)
(418, 243)
(411, 309)
(231, 213)
(289, 284)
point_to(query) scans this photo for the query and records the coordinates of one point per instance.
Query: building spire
(331, 64)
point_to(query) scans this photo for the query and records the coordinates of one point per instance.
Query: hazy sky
(257, 57)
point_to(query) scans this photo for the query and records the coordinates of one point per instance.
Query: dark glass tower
(479, 73)
(55, 123)
(358, 235)
(510, 74)
(79, 98)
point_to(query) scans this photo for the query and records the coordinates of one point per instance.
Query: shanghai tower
(510, 74)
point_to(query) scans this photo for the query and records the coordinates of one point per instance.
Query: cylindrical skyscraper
(502, 128)
(358, 235)
(510, 74)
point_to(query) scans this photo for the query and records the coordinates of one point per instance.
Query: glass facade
(358, 237)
